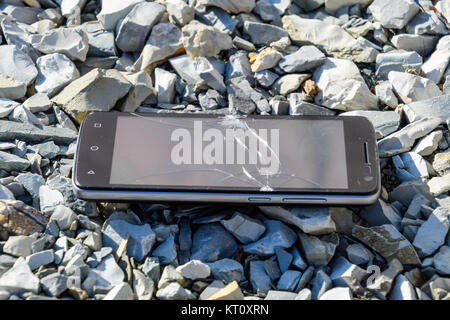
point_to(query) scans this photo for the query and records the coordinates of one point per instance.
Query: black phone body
(227, 158)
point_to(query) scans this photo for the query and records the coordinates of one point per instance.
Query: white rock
(38, 103)
(384, 122)
(39, 259)
(439, 185)
(106, 274)
(69, 41)
(11, 88)
(289, 83)
(17, 65)
(54, 72)
(63, 216)
(19, 279)
(143, 286)
(435, 107)
(402, 289)
(142, 88)
(18, 246)
(179, 12)
(114, 10)
(422, 44)
(393, 14)
(342, 87)
(428, 144)
(194, 269)
(331, 6)
(413, 88)
(337, 294)
(49, 199)
(165, 85)
(209, 74)
(68, 7)
(121, 291)
(397, 60)
(6, 106)
(384, 92)
(435, 66)
(174, 291)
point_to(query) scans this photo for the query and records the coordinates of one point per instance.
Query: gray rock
(214, 287)
(132, 32)
(184, 67)
(142, 89)
(82, 95)
(169, 275)
(30, 133)
(31, 182)
(164, 42)
(289, 280)
(277, 235)
(17, 65)
(311, 220)
(244, 228)
(151, 268)
(308, 109)
(196, 35)
(409, 166)
(49, 199)
(397, 60)
(328, 37)
(166, 251)
(10, 162)
(141, 241)
(266, 78)
(388, 242)
(342, 87)
(436, 65)
(21, 114)
(385, 94)
(305, 58)
(381, 213)
(143, 286)
(284, 259)
(230, 6)
(18, 246)
(320, 285)
(211, 100)
(211, 242)
(428, 144)
(289, 83)
(174, 292)
(441, 260)
(304, 294)
(402, 289)
(243, 44)
(19, 279)
(6, 194)
(106, 274)
(194, 270)
(270, 10)
(393, 15)
(280, 295)
(238, 66)
(165, 85)
(54, 284)
(434, 107)
(6, 106)
(359, 254)
(114, 10)
(121, 291)
(297, 259)
(263, 33)
(316, 251)
(402, 140)
(206, 70)
(406, 191)
(426, 22)
(218, 19)
(431, 234)
(344, 273)
(227, 270)
(382, 284)
(38, 103)
(259, 279)
(384, 122)
(412, 88)
(19, 35)
(337, 294)
(63, 216)
(272, 269)
(11, 88)
(422, 44)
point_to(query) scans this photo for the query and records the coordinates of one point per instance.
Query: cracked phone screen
(229, 153)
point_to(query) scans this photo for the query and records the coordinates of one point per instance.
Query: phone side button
(305, 200)
(259, 199)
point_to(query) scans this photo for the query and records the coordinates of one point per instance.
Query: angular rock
(328, 37)
(428, 144)
(384, 92)
(201, 40)
(397, 60)
(132, 32)
(393, 15)
(69, 41)
(142, 286)
(244, 228)
(230, 292)
(218, 19)
(382, 284)
(211, 242)
(114, 10)
(17, 65)
(289, 280)
(388, 242)
(266, 59)
(344, 273)
(337, 294)
(142, 89)
(263, 34)
(358, 254)
(320, 285)
(289, 83)
(441, 163)
(18, 218)
(98, 90)
(49, 199)
(106, 274)
(441, 260)
(101, 42)
(180, 13)
(194, 270)
(165, 85)
(63, 216)
(410, 166)
(280, 295)
(209, 74)
(384, 122)
(272, 269)
(165, 41)
(166, 251)
(316, 251)
(11, 89)
(18, 246)
(431, 234)
(411, 88)
(311, 220)
(6, 106)
(259, 279)
(381, 213)
(402, 289)
(19, 279)
(426, 22)
(342, 87)
(11, 162)
(305, 58)
(434, 107)
(31, 182)
(284, 259)
(238, 66)
(402, 140)
(121, 291)
(277, 235)
(436, 65)
(54, 284)
(230, 6)
(174, 292)
(227, 270)
(266, 78)
(29, 133)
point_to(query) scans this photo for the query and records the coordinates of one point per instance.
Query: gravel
(387, 61)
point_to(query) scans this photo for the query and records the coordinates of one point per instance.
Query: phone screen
(229, 152)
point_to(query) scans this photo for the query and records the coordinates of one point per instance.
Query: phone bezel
(357, 130)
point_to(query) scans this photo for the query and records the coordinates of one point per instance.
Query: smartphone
(227, 158)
